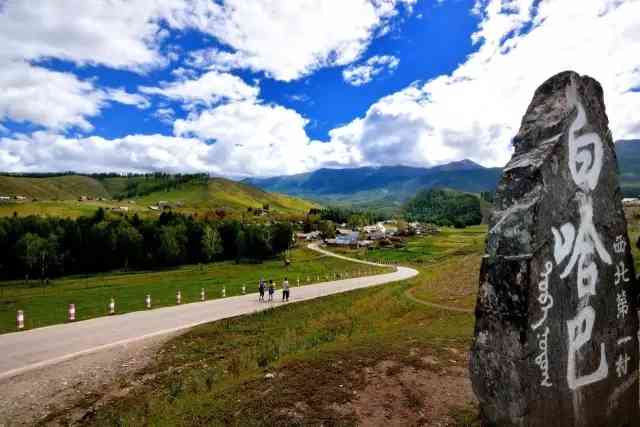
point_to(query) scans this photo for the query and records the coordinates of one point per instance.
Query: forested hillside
(444, 207)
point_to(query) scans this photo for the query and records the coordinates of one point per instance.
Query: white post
(298, 281)
(244, 289)
(178, 297)
(308, 280)
(202, 295)
(112, 306)
(148, 301)
(224, 292)
(72, 312)
(20, 319)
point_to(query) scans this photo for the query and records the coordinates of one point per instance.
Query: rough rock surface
(556, 339)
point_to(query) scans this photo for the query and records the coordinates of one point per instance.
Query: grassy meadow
(58, 196)
(314, 363)
(91, 294)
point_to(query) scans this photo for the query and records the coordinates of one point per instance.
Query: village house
(350, 239)
(313, 235)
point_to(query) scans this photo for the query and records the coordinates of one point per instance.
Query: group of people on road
(271, 289)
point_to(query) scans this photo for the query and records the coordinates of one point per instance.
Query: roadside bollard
(112, 306)
(178, 297)
(224, 292)
(20, 319)
(298, 282)
(308, 280)
(72, 312)
(147, 301)
(202, 295)
(244, 289)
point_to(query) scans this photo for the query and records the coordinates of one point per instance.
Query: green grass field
(424, 250)
(321, 353)
(48, 305)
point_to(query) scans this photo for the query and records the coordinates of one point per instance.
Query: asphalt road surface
(24, 351)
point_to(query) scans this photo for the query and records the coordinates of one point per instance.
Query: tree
(33, 251)
(356, 221)
(281, 236)
(173, 242)
(327, 229)
(211, 243)
(254, 243)
(128, 244)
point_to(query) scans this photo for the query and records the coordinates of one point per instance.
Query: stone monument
(556, 335)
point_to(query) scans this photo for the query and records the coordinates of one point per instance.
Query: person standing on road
(261, 287)
(272, 290)
(285, 290)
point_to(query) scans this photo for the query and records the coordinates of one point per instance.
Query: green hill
(444, 207)
(64, 187)
(59, 195)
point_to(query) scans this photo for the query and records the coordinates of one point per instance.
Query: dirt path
(30, 398)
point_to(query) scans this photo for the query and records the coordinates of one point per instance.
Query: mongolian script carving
(546, 302)
(545, 299)
(542, 359)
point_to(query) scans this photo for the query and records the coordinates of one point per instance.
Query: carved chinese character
(622, 365)
(580, 329)
(621, 273)
(623, 305)
(587, 243)
(620, 245)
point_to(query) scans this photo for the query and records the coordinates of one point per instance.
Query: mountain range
(390, 186)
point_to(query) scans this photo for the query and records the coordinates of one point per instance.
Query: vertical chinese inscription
(582, 247)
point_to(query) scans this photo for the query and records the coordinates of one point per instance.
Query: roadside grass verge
(48, 305)
(311, 363)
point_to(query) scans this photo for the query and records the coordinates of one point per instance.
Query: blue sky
(262, 88)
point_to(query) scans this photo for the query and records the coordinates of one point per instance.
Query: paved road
(23, 351)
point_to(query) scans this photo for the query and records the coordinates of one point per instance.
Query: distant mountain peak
(460, 165)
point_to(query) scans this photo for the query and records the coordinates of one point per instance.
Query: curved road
(24, 351)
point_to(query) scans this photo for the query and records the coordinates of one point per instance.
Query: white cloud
(258, 139)
(475, 111)
(123, 97)
(165, 115)
(56, 100)
(286, 39)
(53, 99)
(208, 89)
(358, 75)
(471, 113)
(45, 151)
(115, 33)
(262, 154)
